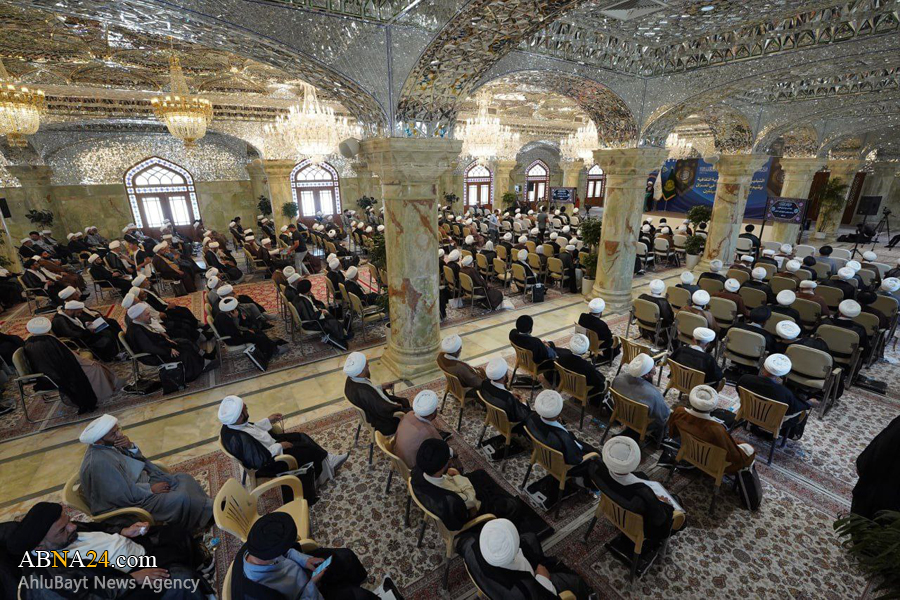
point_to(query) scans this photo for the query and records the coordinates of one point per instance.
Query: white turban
(657, 287)
(891, 284)
(854, 264)
(212, 282)
(230, 410)
(380, 228)
(621, 455)
(467, 260)
(250, 238)
(470, 239)
(597, 306)
(212, 245)
(704, 335)
(579, 344)
(135, 291)
(333, 264)
(759, 273)
(489, 245)
(93, 257)
(869, 256)
(351, 273)
(496, 369)
(451, 344)
(793, 266)
(808, 284)
(535, 231)
(226, 289)
(700, 297)
(163, 245)
(97, 429)
(137, 310)
(732, 285)
(74, 305)
(715, 266)
(645, 228)
(288, 271)
(768, 253)
(138, 280)
(704, 398)
(507, 236)
(746, 258)
(786, 248)
(566, 229)
(846, 273)
(640, 365)
(454, 256)
(440, 253)
(787, 330)
(778, 365)
(39, 325)
(850, 308)
(369, 229)
(562, 241)
(266, 242)
(115, 244)
(522, 255)
(66, 293)
(70, 236)
(212, 272)
(548, 404)
(523, 239)
(228, 304)
(167, 237)
(570, 248)
(283, 228)
(294, 277)
(425, 403)
(354, 364)
(786, 297)
(554, 235)
(128, 300)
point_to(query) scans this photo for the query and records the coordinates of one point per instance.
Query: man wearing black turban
(315, 315)
(47, 527)
(756, 322)
(272, 566)
(544, 353)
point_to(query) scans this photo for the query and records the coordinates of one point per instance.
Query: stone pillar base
(407, 365)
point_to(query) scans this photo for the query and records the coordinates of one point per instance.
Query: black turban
(272, 536)
(749, 228)
(34, 527)
(304, 286)
(524, 324)
(809, 261)
(825, 250)
(760, 314)
(433, 455)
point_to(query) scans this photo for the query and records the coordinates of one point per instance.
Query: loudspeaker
(868, 205)
(4, 208)
(349, 147)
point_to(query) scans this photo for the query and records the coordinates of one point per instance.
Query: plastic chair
(685, 324)
(633, 415)
(555, 271)
(520, 278)
(810, 313)
(525, 360)
(843, 345)
(682, 378)
(774, 320)
(708, 458)
(741, 276)
(833, 296)
(575, 385)
(753, 297)
(500, 271)
(72, 497)
(724, 311)
(765, 413)
(782, 283)
(629, 523)
(366, 315)
(553, 462)
(455, 388)
(564, 595)
(813, 370)
(386, 445)
(136, 364)
(646, 315)
(234, 508)
(744, 347)
(26, 380)
(630, 350)
(678, 297)
(469, 291)
(711, 285)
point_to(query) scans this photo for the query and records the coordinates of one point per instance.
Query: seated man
(756, 323)
(313, 313)
(98, 334)
(543, 353)
(591, 320)
(544, 425)
(732, 286)
(757, 282)
(700, 423)
(114, 474)
(167, 265)
(687, 282)
(807, 291)
(845, 274)
(378, 405)
(416, 427)
(767, 258)
(177, 558)
(495, 392)
(522, 259)
(657, 296)
(847, 311)
(101, 273)
(785, 299)
(493, 297)
(699, 303)
(228, 324)
(866, 299)
(749, 235)
(513, 567)
(145, 336)
(255, 445)
(714, 267)
(618, 477)
(770, 384)
(790, 270)
(636, 383)
(788, 334)
(270, 565)
(697, 357)
(448, 360)
(351, 283)
(179, 321)
(596, 382)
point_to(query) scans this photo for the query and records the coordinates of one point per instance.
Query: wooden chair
(248, 476)
(575, 385)
(708, 458)
(683, 379)
(455, 388)
(234, 508)
(498, 419)
(631, 414)
(449, 536)
(631, 348)
(765, 413)
(629, 523)
(386, 445)
(553, 462)
(525, 361)
(72, 497)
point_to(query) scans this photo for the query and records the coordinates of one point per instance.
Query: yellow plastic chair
(498, 419)
(234, 508)
(708, 458)
(525, 361)
(72, 497)
(386, 445)
(683, 379)
(631, 414)
(765, 413)
(575, 385)
(455, 388)
(553, 462)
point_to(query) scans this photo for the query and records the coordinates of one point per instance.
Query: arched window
(537, 178)
(159, 190)
(315, 188)
(478, 188)
(596, 187)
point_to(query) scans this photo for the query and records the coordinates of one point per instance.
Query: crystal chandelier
(311, 129)
(678, 147)
(185, 116)
(581, 144)
(20, 109)
(484, 138)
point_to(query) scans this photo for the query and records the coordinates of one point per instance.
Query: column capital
(885, 169)
(802, 165)
(845, 168)
(572, 165)
(31, 175)
(739, 165)
(630, 161)
(255, 168)
(277, 167)
(505, 165)
(409, 161)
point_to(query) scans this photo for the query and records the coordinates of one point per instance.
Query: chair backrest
(678, 297)
(386, 445)
(882, 268)
(631, 348)
(465, 282)
(481, 261)
(633, 415)
(525, 360)
(641, 248)
(841, 253)
(530, 246)
(804, 274)
(686, 322)
(840, 262)
(583, 256)
(518, 272)
(745, 347)
(867, 275)
(682, 378)
(226, 583)
(124, 344)
(809, 363)
(629, 523)
(869, 321)
(887, 305)
(769, 268)
(462, 254)
(344, 295)
(774, 320)
(724, 310)
(450, 277)
(234, 510)
(822, 270)
(763, 412)
(534, 261)
(711, 285)
(500, 268)
(782, 283)
(329, 291)
(679, 240)
(810, 311)
(574, 384)
(501, 252)
(776, 246)
(833, 296)
(497, 418)
(647, 314)
(552, 460)
(455, 386)
(356, 305)
(72, 495)
(661, 245)
(842, 343)
(801, 251)
(555, 265)
(21, 364)
(548, 250)
(707, 457)
(741, 276)
(752, 297)
(743, 245)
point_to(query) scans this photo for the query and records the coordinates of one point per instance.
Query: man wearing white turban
(145, 336)
(258, 446)
(687, 282)
(730, 292)
(114, 474)
(848, 310)
(492, 298)
(770, 383)
(353, 286)
(521, 258)
(636, 383)
(700, 356)
(714, 273)
(258, 347)
(592, 320)
(576, 362)
(507, 564)
(657, 296)
(448, 360)
(844, 277)
(378, 402)
(495, 392)
(757, 282)
(699, 306)
(99, 334)
(417, 426)
(699, 422)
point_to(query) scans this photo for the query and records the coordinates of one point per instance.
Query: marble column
(880, 181)
(626, 179)
(798, 178)
(258, 188)
(278, 179)
(571, 172)
(368, 186)
(845, 170)
(37, 195)
(732, 189)
(502, 180)
(408, 170)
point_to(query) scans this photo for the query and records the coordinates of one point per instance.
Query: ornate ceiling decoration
(466, 47)
(847, 84)
(802, 142)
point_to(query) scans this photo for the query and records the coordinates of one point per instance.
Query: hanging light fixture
(581, 144)
(20, 109)
(484, 138)
(311, 128)
(184, 115)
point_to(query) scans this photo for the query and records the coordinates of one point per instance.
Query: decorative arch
(537, 182)
(316, 187)
(158, 191)
(478, 186)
